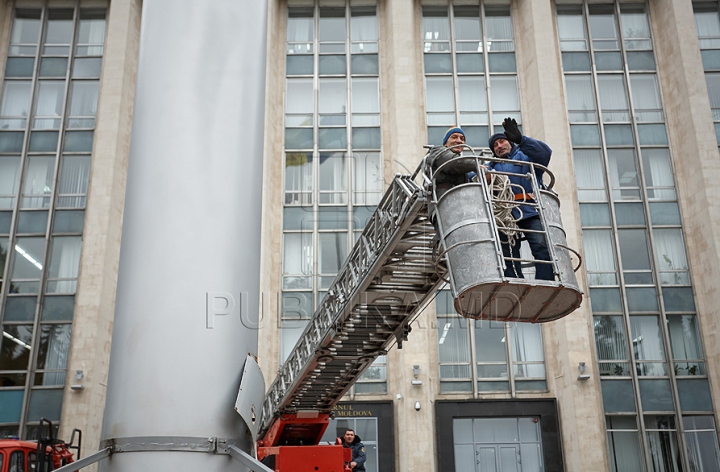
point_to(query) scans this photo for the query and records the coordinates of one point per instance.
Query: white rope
(502, 192)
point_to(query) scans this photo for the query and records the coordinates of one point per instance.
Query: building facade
(626, 95)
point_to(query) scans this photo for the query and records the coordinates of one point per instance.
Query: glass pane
(468, 63)
(78, 141)
(694, 395)
(59, 27)
(368, 177)
(605, 300)
(618, 396)
(333, 218)
(20, 309)
(65, 257)
(333, 64)
(58, 308)
(15, 347)
(332, 248)
(630, 214)
(472, 96)
(299, 65)
(11, 141)
(608, 61)
(613, 99)
(503, 93)
(624, 453)
(32, 222)
(658, 174)
(19, 66)
(502, 62)
(634, 249)
(594, 214)
(655, 395)
(38, 182)
(298, 253)
(88, 67)
(43, 141)
(53, 67)
(298, 138)
(366, 138)
(576, 61)
(490, 342)
(664, 213)
(618, 135)
(68, 222)
(332, 24)
(589, 174)
(10, 404)
(640, 60)
(28, 258)
(623, 174)
(652, 134)
(74, 176)
(439, 94)
(84, 98)
(641, 299)
(610, 340)
(364, 64)
(585, 135)
(332, 138)
(15, 103)
(334, 175)
(298, 218)
(678, 299)
(453, 340)
(45, 404)
(26, 27)
(647, 342)
(54, 347)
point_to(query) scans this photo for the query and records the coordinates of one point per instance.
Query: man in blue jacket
(513, 146)
(358, 450)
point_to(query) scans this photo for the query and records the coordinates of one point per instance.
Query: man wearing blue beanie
(456, 172)
(513, 146)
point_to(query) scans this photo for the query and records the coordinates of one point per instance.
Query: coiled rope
(502, 194)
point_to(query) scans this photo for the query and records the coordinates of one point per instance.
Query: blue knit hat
(495, 137)
(450, 131)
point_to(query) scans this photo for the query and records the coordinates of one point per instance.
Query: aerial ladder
(414, 243)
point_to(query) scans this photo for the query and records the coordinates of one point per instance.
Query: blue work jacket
(529, 150)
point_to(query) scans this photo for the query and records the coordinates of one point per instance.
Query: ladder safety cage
(468, 228)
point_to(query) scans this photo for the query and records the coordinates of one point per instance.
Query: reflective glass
(332, 249)
(618, 396)
(58, 308)
(634, 249)
(469, 63)
(655, 395)
(19, 66)
(437, 63)
(605, 300)
(678, 299)
(15, 347)
(364, 64)
(53, 67)
(20, 309)
(78, 141)
(332, 64)
(68, 222)
(576, 61)
(32, 222)
(28, 258)
(641, 299)
(45, 404)
(299, 65)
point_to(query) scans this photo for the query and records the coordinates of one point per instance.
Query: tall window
(707, 21)
(653, 378)
(470, 70)
(333, 164)
(478, 356)
(47, 117)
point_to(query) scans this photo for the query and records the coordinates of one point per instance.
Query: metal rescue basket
(470, 244)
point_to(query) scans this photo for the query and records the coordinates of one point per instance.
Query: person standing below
(513, 146)
(350, 440)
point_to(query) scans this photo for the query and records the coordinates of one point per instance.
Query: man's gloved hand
(511, 130)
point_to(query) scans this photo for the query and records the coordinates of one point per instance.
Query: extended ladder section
(393, 272)
(384, 284)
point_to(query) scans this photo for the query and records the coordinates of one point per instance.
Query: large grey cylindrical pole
(188, 283)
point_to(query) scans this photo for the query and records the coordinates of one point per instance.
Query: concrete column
(568, 341)
(402, 97)
(95, 299)
(697, 164)
(188, 281)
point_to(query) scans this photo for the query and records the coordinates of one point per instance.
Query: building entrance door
(497, 445)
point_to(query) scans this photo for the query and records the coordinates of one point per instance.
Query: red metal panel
(308, 458)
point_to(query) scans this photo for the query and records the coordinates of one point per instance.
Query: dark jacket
(453, 174)
(529, 150)
(358, 454)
